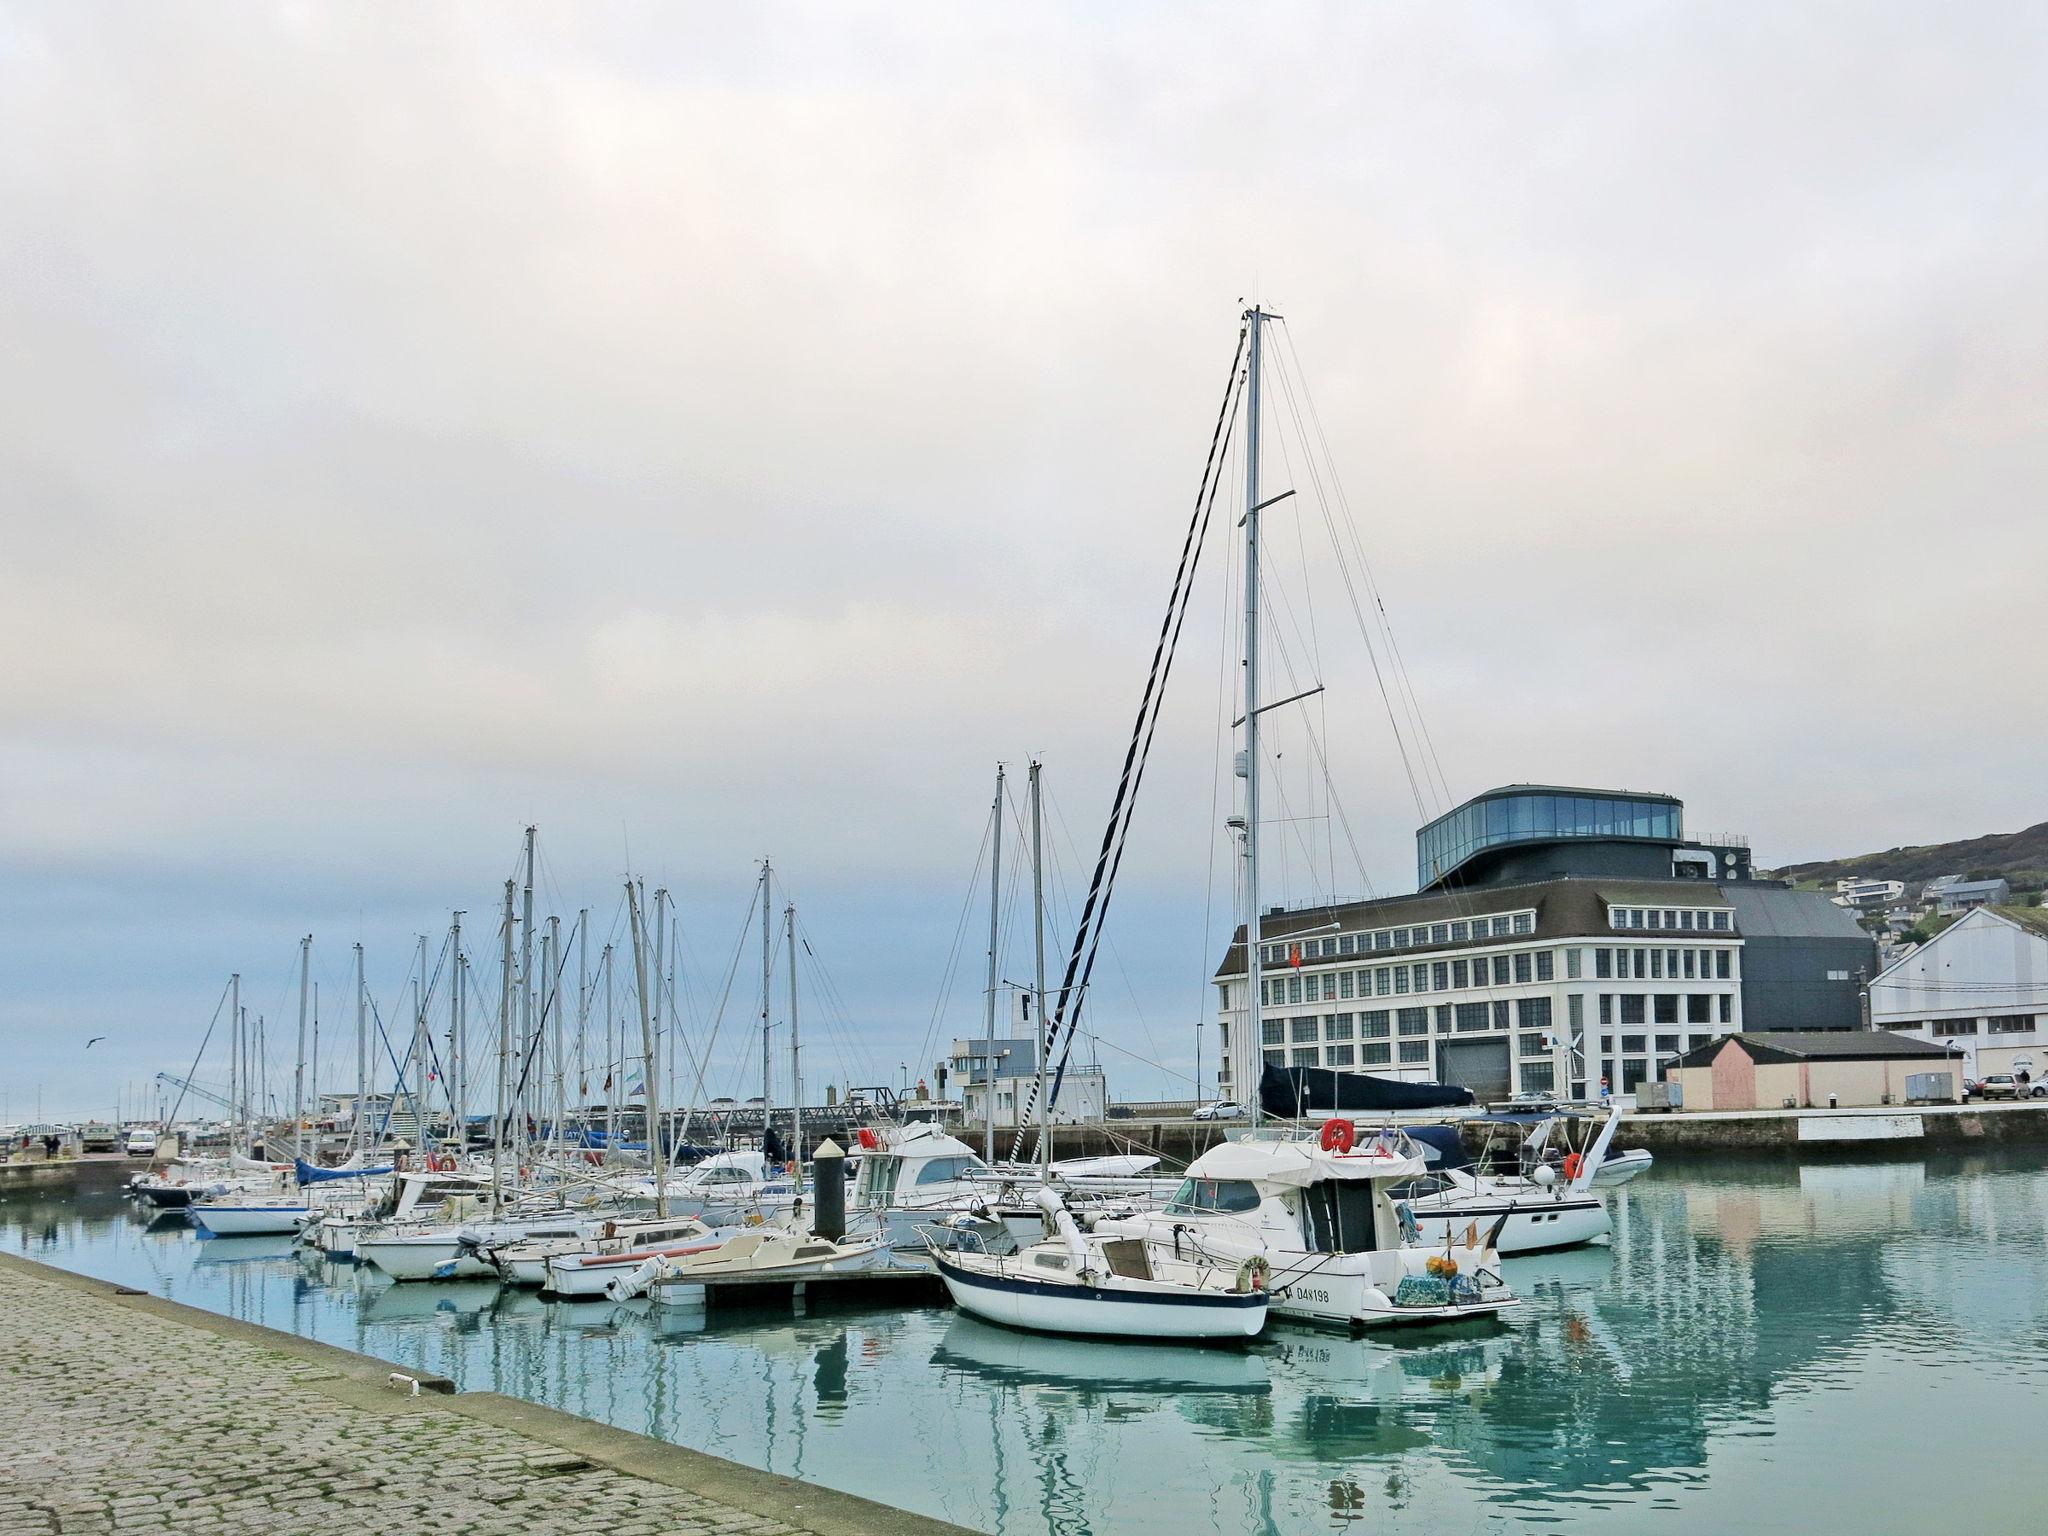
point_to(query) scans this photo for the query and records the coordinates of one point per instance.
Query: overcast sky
(715, 431)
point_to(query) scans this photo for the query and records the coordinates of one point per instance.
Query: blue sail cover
(309, 1174)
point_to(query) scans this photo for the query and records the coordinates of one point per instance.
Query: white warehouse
(1981, 985)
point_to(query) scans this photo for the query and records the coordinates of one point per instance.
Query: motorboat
(757, 1256)
(1105, 1287)
(1619, 1167)
(734, 1186)
(410, 1200)
(1317, 1208)
(1538, 1207)
(525, 1262)
(448, 1232)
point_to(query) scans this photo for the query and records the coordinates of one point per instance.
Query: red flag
(1294, 956)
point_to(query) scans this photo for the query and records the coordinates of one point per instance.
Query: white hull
(423, 1258)
(1619, 1167)
(1537, 1227)
(249, 1220)
(690, 1291)
(1099, 1313)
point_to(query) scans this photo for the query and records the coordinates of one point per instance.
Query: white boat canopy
(1301, 1163)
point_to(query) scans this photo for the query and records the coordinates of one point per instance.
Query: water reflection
(1679, 1369)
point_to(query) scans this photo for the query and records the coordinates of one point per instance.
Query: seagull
(95, 1040)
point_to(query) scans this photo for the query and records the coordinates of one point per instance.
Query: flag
(1294, 956)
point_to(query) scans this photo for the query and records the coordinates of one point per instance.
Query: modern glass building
(1539, 813)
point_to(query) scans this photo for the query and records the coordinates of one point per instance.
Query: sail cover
(308, 1174)
(1291, 1092)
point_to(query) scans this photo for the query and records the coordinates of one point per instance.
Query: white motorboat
(1318, 1211)
(732, 1187)
(756, 1256)
(525, 1262)
(1124, 1288)
(1538, 1208)
(1619, 1167)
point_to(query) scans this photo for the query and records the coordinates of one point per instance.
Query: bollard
(828, 1191)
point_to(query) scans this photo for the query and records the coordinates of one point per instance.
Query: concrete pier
(129, 1413)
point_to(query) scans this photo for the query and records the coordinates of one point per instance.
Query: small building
(1816, 1069)
(1963, 895)
(1979, 986)
(1868, 893)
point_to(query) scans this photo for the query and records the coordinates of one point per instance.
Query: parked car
(2004, 1085)
(1222, 1109)
(141, 1144)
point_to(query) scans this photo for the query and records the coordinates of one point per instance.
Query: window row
(1499, 925)
(1997, 1024)
(1664, 1008)
(1660, 964)
(1517, 970)
(1718, 920)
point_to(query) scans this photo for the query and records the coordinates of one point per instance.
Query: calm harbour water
(1855, 1347)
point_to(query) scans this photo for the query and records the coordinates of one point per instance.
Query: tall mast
(1038, 965)
(582, 1025)
(299, 1075)
(995, 903)
(1247, 1054)
(262, 1083)
(313, 1088)
(551, 1009)
(458, 986)
(767, 947)
(661, 1049)
(614, 1064)
(655, 1139)
(235, 1061)
(504, 1108)
(526, 990)
(796, 1064)
(362, 1123)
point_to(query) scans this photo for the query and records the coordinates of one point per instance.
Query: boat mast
(235, 1064)
(504, 1057)
(457, 1001)
(421, 1048)
(767, 944)
(614, 1065)
(653, 1083)
(796, 1064)
(313, 1088)
(582, 1025)
(526, 1028)
(299, 1075)
(362, 1126)
(654, 1062)
(995, 900)
(1038, 971)
(1249, 1050)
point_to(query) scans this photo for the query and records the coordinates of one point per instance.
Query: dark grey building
(1561, 937)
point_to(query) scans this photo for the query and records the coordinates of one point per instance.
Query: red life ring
(1572, 1164)
(868, 1139)
(1339, 1135)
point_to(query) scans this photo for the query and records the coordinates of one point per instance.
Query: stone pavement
(131, 1414)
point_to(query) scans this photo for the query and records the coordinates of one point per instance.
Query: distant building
(1083, 1089)
(1981, 985)
(1866, 894)
(1815, 1069)
(1962, 895)
(1562, 938)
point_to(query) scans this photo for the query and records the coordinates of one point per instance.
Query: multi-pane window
(1606, 1009)
(1699, 1008)
(1415, 1050)
(1603, 963)
(1440, 975)
(1720, 965)
(1277, 1058)
(1344, 984)
(1471, 1016)
(1439, 933)
(1573, 960)
(1294, 989)
(1412, 1021)
(1382, 981)
(1721, 921)
(1373, 1024)
(1575, 1013)
(1538, 1077)
(1401, 979)
(1338, 1055)
(1460, 975)
(1500, 1013)
(1944, 1027)
(1500, 970)
(1525, 922)
(1501, 926)
(1301, 1029)
(1337, 1027)
(1306, 1056)
(1532, 1013)
(1374, 1055)
(1546, 965)
(1272, 1031)
(1667, 1007)
(1667, 1045)
(1344, 944)
(1460, 932)
(2009, 1023)
(1632, 1008)
(1656, 964)
(1522, 969)
(1727, 1008)
(1632, 1045)
(1689, 973)
(1642, 964)
(1532, 1045)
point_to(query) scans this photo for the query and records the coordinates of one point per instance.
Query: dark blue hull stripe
(1222, 1300)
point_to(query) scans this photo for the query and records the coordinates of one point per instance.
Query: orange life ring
(868, 1139)
(1573, 1162)
(1339, 1135)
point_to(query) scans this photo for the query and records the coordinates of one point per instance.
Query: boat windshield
(1201, 1196)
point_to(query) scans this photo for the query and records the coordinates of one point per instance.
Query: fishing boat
(1318, 1211)
(1122, 1288)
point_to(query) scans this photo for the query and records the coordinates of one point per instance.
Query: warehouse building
(1562, 940)
(1980, 985)
(1815, 1069)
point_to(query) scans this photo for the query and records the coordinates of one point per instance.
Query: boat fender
(1252, 1274)
(1339, 1136)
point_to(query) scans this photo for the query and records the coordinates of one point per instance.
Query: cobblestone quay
(128, 1413)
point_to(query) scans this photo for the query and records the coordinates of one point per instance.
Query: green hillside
(2019, 857)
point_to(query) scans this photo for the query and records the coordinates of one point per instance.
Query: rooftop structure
(1514, 832)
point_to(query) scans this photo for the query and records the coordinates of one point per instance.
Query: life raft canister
(1339, 1136)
